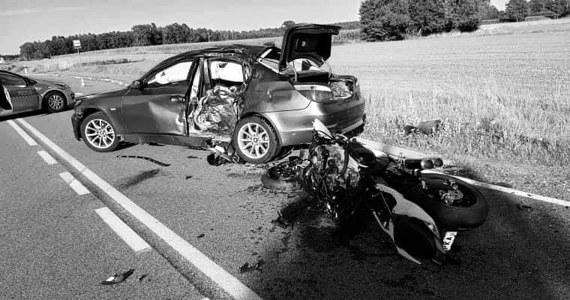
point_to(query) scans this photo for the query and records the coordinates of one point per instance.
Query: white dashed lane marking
(77, 186)
(123, 230)
(47, 158)
(23, 134)
(216, 274)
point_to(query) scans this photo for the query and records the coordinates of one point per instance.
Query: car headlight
(63, 86)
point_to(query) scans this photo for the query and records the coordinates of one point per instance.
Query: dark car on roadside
(254, 100)
(27, 94)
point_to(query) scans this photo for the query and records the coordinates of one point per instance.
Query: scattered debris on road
(118, 278)
(248, 268)
(188, 177)
(201, 236)
(141, 277)
(524, 207)
(145, 158)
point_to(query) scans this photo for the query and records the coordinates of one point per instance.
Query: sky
(24, 21)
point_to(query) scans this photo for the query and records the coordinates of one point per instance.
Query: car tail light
(317, 93)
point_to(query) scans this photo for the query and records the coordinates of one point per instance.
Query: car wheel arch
(277, 132)
(87, 113)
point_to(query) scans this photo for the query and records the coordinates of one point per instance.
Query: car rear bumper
(296, 128)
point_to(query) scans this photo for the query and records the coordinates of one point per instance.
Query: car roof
(249, 52)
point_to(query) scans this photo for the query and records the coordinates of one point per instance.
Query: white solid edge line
(387, 148)
(508, 190)
(131, 238)
(77, 186)
(22, 133)
(221, 277)
(47, 158)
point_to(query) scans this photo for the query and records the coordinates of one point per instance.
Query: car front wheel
(255, 141)
(98, 133)
(55, 102)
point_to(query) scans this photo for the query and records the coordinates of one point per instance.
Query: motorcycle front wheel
(453, 209)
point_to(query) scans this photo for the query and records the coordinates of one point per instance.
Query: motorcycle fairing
(408, 209)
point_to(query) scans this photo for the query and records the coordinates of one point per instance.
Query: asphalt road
(54, 245)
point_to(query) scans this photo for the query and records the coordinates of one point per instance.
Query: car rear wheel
(255, 141)
(55, 102)
(98, 133)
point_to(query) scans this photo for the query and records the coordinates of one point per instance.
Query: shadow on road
(520, 252)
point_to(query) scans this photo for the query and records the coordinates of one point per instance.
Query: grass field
(502, 92)
(503, 96)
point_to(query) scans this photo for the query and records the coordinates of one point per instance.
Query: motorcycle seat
(361, 154)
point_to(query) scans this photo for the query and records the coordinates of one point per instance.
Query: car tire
(98, 133)
(255, 141)
(55, 102)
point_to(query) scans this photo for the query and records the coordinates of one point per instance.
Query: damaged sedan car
(35, 94)
(254, 101)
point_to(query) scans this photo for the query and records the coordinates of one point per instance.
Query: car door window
(172, 75)
(226, 72)
(8, 79)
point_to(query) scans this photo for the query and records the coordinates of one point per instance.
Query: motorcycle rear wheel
(467, 212)
(280, 177)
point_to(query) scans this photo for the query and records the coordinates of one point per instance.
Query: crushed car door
(159, 105)
(22, 92)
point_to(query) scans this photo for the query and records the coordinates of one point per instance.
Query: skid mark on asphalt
(137, 179)
(213, 272)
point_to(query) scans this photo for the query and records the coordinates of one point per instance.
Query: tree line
(380, 20)
(147, 35)
(384, 20)
(139, 35)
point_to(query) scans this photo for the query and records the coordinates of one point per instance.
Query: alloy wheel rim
(253, 140)
(55, 102)
(99, 133)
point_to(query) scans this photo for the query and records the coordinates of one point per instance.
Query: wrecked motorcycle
(421, 211)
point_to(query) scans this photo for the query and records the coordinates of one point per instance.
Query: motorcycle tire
(452, 217)
(271, 180)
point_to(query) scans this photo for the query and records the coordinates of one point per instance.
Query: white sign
(77, 44)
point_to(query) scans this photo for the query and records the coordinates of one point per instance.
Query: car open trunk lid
(307, 40)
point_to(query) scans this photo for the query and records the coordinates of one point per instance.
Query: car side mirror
(137, 84)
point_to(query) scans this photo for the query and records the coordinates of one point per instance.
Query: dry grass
(500, 96)
(502, 92)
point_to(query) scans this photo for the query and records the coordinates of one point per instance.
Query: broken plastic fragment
(201, 236)
(524, 207)
(118, 278)
(143, 276)
(248, 268)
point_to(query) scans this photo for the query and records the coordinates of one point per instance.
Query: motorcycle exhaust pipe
(423, 164)
(437, 162)
(416, 163)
